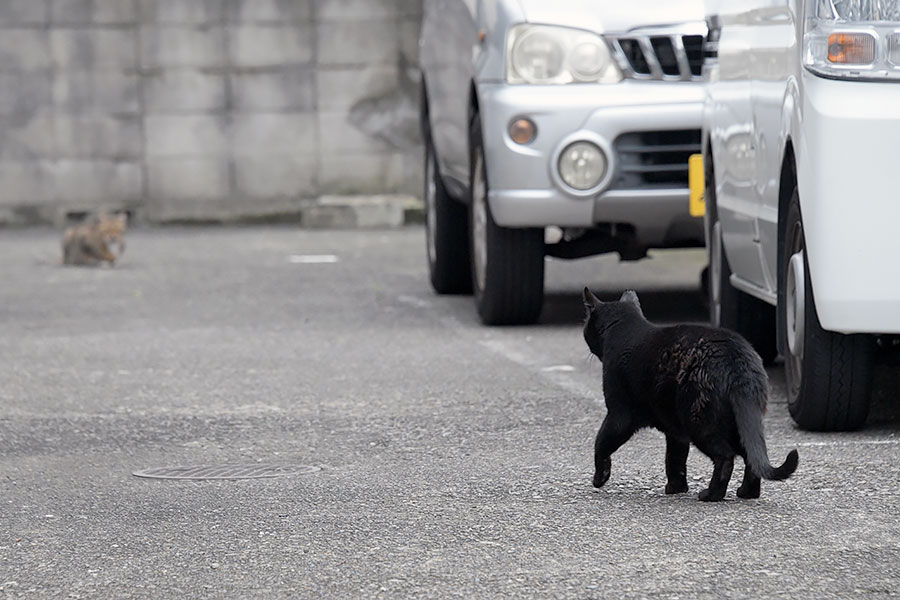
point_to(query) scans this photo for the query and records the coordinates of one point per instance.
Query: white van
(800, 131)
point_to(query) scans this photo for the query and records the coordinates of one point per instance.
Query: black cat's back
(713, 360)
(691, 358)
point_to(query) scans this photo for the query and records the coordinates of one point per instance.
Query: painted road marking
(312, 259)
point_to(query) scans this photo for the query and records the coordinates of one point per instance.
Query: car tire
(446, 232)
(729, 307)
(828, 374)
(507, 264)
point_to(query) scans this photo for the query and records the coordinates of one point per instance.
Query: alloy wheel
(794, 311)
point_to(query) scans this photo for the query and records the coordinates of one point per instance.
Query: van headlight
(556, 55)
(852, 39)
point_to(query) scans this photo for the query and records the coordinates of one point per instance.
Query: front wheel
(828, 374)
(507, 264)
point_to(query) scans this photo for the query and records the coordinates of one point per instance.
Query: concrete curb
(348, 212)
(326, 212)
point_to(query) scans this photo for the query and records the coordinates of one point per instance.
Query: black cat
(694, 383)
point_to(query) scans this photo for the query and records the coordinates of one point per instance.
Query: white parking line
(559, 375)
(312, 259)
(562, 376)
(848, 443)
(414, 301)
(559, 368)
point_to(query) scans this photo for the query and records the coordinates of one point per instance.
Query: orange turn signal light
(522, 131)
(851, 48)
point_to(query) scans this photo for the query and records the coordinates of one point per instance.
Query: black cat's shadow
(663, 307)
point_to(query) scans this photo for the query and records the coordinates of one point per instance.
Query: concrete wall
(204, 109)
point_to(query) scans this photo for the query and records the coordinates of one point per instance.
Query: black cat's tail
(787, 468)
(750, 428)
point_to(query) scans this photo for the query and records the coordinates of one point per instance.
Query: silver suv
(575, 115)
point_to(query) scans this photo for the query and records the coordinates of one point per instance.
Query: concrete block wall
(207, 110)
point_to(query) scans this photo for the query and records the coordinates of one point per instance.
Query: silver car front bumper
(525, 189)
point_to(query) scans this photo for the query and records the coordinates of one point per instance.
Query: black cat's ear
(590, 300)
(630, 296)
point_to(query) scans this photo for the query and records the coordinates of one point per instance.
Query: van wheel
(446, 233)
(729, 307)
(507, 264)
(828, 374)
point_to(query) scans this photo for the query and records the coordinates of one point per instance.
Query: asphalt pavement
(422, 454)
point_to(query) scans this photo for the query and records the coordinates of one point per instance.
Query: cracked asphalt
(454, 460)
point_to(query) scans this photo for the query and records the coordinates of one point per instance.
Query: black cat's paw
(676, 487)
(709, 495)
(601, 476)
(748, 492)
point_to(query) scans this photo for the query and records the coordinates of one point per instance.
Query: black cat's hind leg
(719, 484)
(613, 433)
(676, 465)
(750, 486)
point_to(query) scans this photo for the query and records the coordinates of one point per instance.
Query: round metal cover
(255, 471)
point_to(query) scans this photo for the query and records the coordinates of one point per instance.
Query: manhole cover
(225, 471)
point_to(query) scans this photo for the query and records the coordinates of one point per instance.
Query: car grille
(654, 158)
(665, 56)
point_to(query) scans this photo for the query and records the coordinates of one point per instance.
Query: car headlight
(854, 39)
(556, 55)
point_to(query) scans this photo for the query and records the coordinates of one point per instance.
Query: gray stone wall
(204, 109)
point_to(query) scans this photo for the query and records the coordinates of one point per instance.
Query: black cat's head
(601, 316)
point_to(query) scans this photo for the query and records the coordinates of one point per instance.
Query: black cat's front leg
(613, 433)
(676, 465)
(719, 484)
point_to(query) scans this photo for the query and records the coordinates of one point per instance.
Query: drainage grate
(225, 472)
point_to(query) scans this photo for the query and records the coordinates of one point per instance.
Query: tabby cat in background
(91, 242)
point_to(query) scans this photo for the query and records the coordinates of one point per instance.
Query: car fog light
(582, 165)
(851, 48)
(522, 131)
